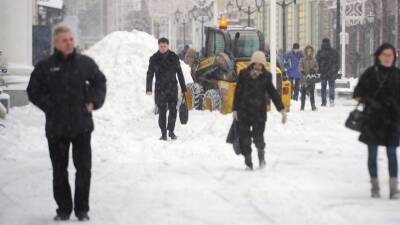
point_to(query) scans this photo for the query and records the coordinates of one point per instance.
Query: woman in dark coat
(379, 91)
(250, 107)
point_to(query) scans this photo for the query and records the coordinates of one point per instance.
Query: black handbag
(356, 119)
(233, 137)
(183, 112)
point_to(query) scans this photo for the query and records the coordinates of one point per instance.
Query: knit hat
(258, 57)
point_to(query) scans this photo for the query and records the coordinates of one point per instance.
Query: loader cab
(237, 42)
(217, 42)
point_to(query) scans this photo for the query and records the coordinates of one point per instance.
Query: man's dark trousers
(162, 117)
(82, 158)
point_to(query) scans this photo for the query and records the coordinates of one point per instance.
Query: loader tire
(212, 100)
(196, 91)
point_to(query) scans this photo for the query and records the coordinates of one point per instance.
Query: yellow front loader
(227, 51)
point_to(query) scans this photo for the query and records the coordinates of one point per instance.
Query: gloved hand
(149, 93)
(235, 115)
(284, 116)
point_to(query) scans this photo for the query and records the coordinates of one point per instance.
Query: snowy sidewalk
(316, 173)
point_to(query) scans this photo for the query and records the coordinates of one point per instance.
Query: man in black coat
(165, 65)
(250, 106)
(67, 87)
(328, 62)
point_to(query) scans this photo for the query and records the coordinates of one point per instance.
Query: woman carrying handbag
(378, 90)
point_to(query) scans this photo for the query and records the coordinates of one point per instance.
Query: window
(244, 43)
(219, 43)
(302, 24)
(215, 44)
(210, 44)
(290, 36)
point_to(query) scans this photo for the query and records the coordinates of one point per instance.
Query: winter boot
(331, 103)
(172, 135)
(248, 162)
(313, 107)
(394, 190)
(163, 136)
(302, 107)
(61, 217)
(82, 216)
(261, 158)
(375, 191)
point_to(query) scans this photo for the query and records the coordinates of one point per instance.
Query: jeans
(324, 85)
(372, 160)
(295, 82)
(82, 157)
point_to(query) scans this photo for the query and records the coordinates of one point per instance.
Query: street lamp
(180, 17)
(160, 26)
(229, 8)
(338, 25)
(370, 18)
(248, 10)
(284, 4)
(202, 14)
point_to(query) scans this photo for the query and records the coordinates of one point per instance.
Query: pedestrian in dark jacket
(379, 91)
(67, 87)
(182, 54)
(165, 65)
(308, 66)
(250, 106)
(328, 62)
(291, 63)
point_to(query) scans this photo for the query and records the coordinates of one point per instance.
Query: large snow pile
(123, 57)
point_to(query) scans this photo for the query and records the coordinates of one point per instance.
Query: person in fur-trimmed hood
(308, 65)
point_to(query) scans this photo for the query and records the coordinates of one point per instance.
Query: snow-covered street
(316, 174)
(316, 171)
